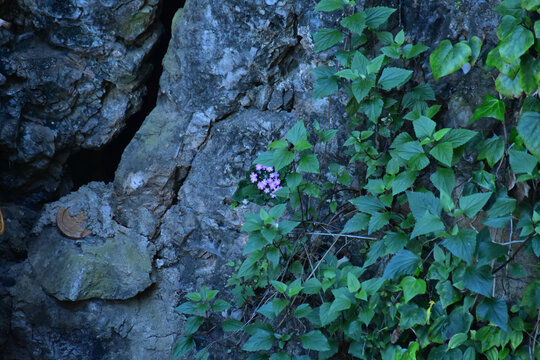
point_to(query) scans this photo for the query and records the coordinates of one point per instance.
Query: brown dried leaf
(73, 227)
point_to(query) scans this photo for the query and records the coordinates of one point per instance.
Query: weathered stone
(112, 263)
(205, 75)
(70, 89)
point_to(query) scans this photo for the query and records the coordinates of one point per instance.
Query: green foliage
(415, 199)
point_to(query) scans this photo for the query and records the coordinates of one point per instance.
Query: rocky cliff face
(235, 76)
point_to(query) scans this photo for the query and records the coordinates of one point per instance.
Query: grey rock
(206, 73)
(112, 263)
(72, 88)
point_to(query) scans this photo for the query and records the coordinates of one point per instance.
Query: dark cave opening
(85, 166)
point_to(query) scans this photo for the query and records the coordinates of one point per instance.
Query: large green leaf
(309, 163)
(472, 204)
(522, 162)
(491, 107)
(368, 204)
(475, 43)
(492, 150)
(508, 24)
(420, 203)
(529, 75)
(411, 315)
(377, 221)
(183, 345)
(476, 278)
(411, 51)
(315, 340)
(329, 5)
(494, 310)
(356, 23)
(507, 86)
(462, 244)
(325, 87)
(282, 158)
(529, 129)
(403, 181)
(516, 44)
(531, 5)
(494, 60)
(361, 88)
(260, 340)
(459, 137)
(504, 205)
(403, 263)
(446, 59)
(372, 108)
(392, 77)
(326, 38)
(357, 223)
(376, 16)
(412, 287)
(447, 294)
(297, 132)
(444, 180)
(443, 152)
(427, 224)
(424, 127)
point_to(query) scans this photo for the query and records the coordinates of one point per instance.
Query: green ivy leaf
(392, 77)
(446, 59)
(443, 152)
(403, 181)
(492, 150)
(220, 305)
(279, 356)
(368, 204)
(315, 340)
(411, 51)
(282, 158)
(412, 287)
(183, 345)
(529, 75)
(324, 87)
(375, 64)
(309, 163)
(531, 5)
(312, 286)
(411, 315)
(260, 340)
(231, 325)
(372, 108)
(475, 43)
(302, 311)
(443, 179)
(472, 204)
(476, 278)
(508, 24)
(491, 107)
(462, 244)
(329, 5)
(356, 23)
(420, 203)
(358, 222)
(447, 294)
(529, 129)
(504, 205)
(522, 162)
(494, 60)
(326, 38)
(494, 310)
(361, 88)
(403, 263)
(424, 127)
(457, 340)
(516, 44)
(507, 86)
(297, 132)
(459, 137)
(429, 223)
(192, 324)
(377, 221)
(378, 15)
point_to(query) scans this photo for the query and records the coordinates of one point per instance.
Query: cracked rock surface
(235, 77)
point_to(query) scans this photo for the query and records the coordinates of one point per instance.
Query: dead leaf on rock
(74, 227)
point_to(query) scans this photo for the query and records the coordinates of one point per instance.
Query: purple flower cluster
(267, 179)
